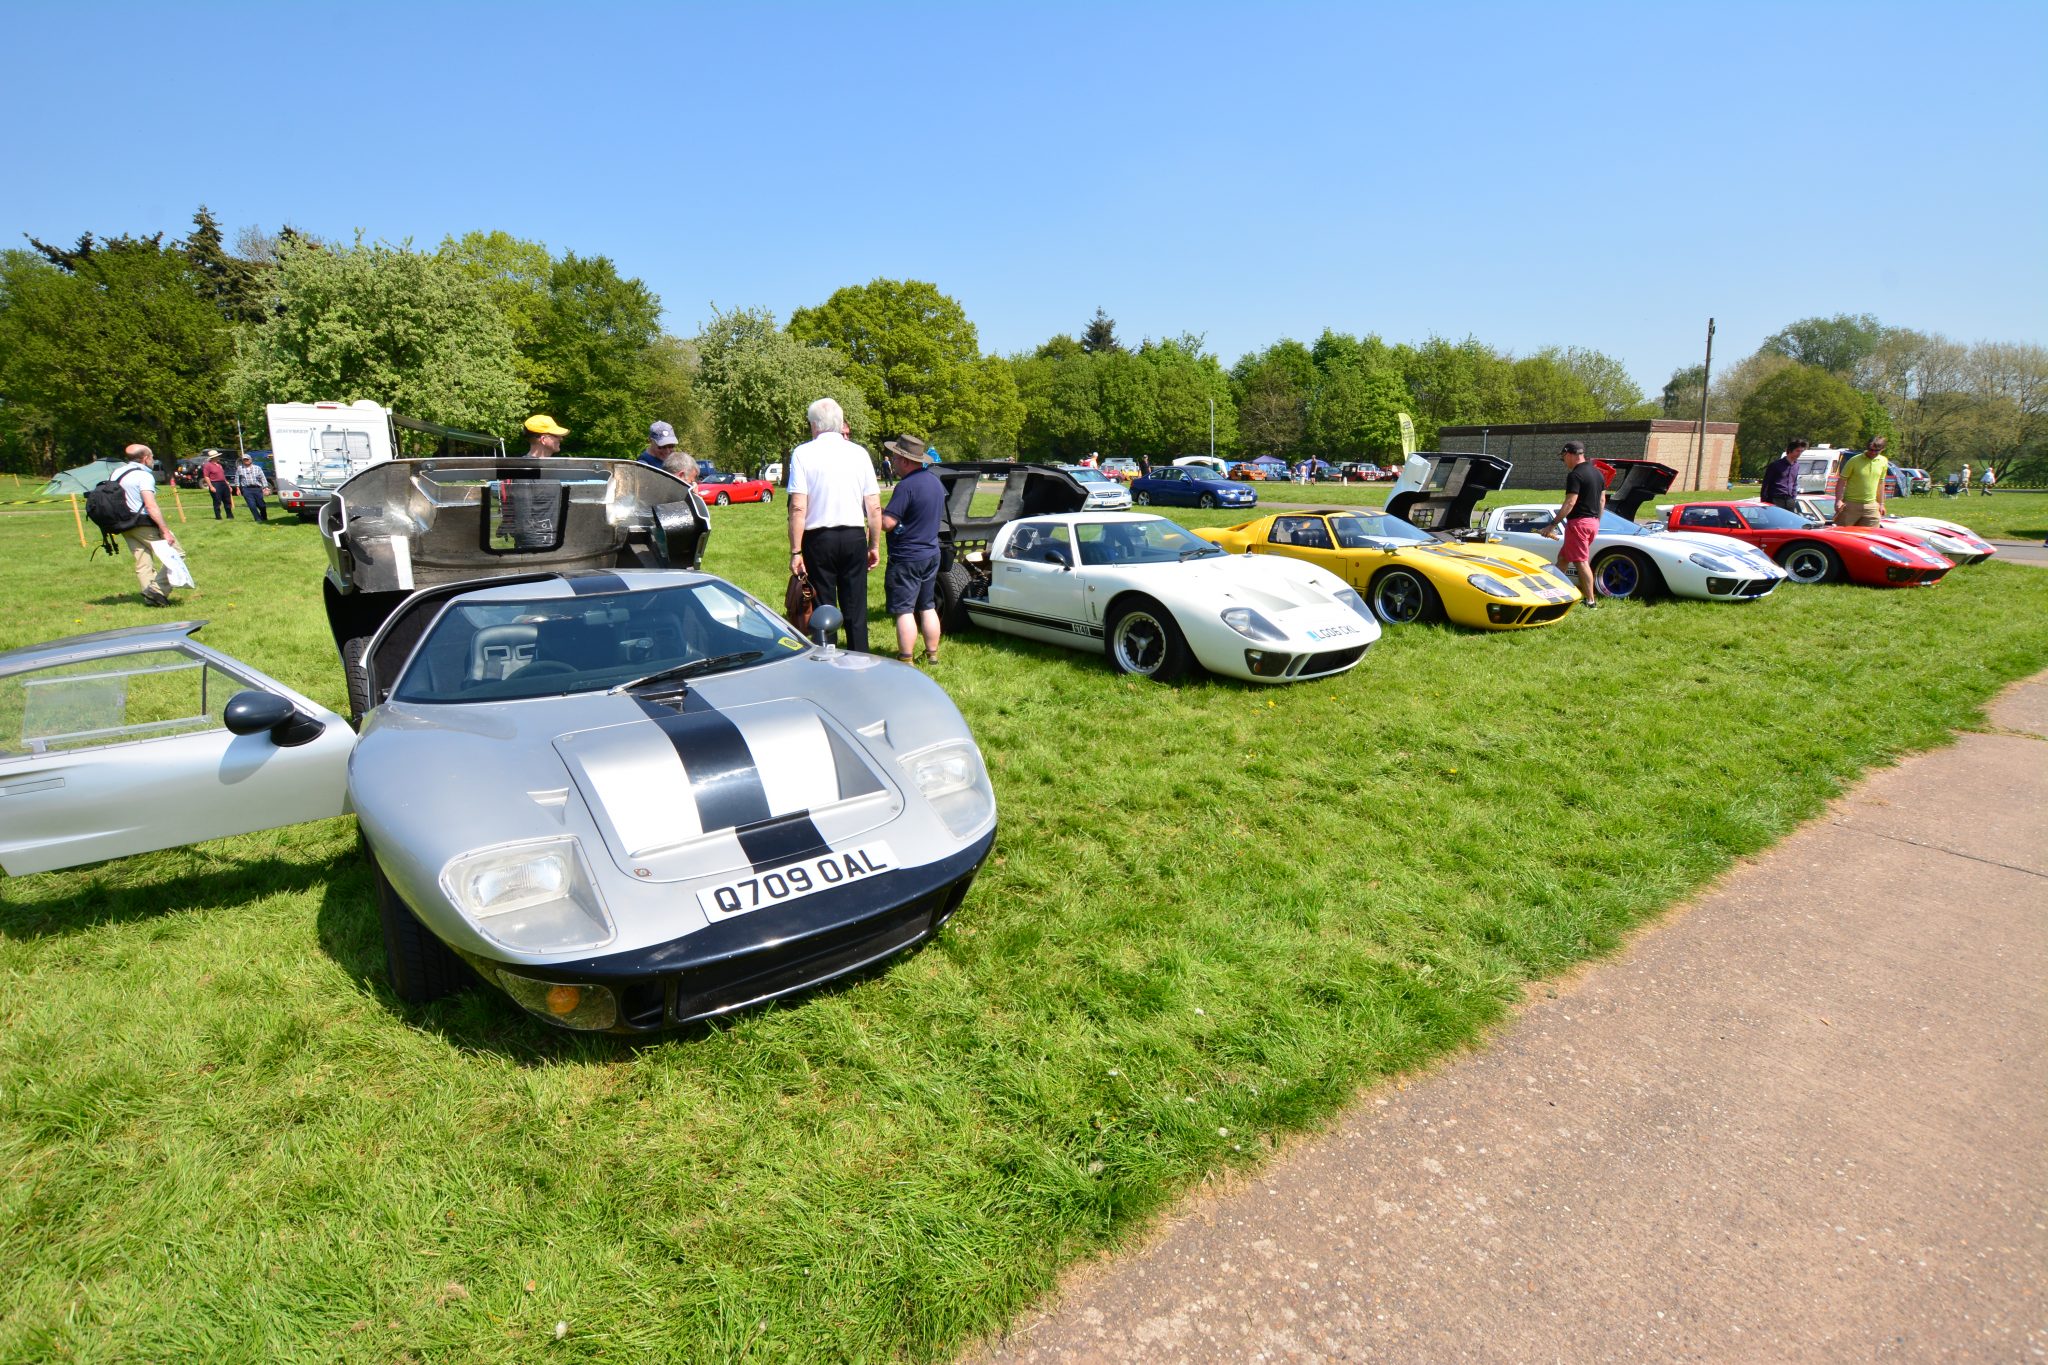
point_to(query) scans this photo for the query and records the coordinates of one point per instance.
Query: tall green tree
(518, 275)
(106, 343)
(593, 347)
(1455, 383)
(917, 361)
(1605, 378)
(1546, 390)
(1099, 336)
(1192, 397)
(757, 381)
(1355, 415)
(1271, 390)
(408, 329)
(1804, 401)
(1841, 345)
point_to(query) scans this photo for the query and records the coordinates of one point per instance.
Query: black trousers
(836, 558)
(1789, 504)
(223, 501)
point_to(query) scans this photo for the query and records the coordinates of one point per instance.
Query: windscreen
(503, 650)
(1365, 531)
(1773, 519)
(1154, 540)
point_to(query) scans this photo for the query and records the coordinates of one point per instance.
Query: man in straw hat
(910, 584)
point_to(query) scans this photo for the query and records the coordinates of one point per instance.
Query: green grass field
(1214, 913)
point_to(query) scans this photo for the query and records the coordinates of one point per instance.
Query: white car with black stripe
(628, 797)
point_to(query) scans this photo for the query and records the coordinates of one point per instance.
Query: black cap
(1573, 448)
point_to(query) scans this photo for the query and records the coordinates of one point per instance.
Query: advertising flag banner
(1407, 434)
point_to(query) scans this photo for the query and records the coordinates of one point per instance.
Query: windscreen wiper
(691, 669)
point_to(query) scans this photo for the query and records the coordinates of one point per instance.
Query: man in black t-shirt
(910, 583)
(1585, 498)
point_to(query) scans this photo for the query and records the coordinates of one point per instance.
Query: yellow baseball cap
(540, 424)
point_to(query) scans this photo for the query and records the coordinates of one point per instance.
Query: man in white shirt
(835, 518)
(138, 482)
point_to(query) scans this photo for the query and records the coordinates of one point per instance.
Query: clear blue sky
(1604, 176)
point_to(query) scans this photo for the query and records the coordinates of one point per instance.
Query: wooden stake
(177, 497)
(77, 518)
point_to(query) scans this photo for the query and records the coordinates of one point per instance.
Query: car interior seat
(498, 652)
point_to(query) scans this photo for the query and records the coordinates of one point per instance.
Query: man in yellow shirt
(1860, 501)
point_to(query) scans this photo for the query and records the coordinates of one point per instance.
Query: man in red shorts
(1585, 497)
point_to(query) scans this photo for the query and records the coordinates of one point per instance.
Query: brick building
(1533, 448)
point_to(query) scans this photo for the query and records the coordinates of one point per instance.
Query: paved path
(1805, 1118)
(2022, 551)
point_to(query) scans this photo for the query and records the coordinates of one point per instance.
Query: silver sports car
(630, 797)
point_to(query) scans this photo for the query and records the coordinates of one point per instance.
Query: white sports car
(1634, 560)
(1154, 597)
(1948, 538)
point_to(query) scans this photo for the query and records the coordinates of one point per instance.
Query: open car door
(1631, 483)
(131, 740)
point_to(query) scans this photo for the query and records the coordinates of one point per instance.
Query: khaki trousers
(152, 573)
(1856, 514)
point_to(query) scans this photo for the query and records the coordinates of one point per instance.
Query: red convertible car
(1815, 554)
(720, 489)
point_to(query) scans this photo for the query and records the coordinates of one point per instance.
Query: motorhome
(320, 446)
(1820, 473)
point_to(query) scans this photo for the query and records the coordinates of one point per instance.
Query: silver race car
(618, 788)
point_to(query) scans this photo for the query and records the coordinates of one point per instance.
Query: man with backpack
(143, 524)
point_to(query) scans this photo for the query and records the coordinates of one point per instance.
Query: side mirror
(252, 712)
(825, 623)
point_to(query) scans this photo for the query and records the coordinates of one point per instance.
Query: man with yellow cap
(544, 436)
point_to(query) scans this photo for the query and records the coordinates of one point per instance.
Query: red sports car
(1815, 554)
(720, 489)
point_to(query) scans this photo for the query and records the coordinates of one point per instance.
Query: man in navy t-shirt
(910, 584)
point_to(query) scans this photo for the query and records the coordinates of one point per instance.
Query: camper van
(320, 446)
(1820, 473)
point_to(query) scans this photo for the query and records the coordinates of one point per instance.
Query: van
(1820, 473)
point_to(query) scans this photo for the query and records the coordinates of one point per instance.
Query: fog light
(587, 1007)
(1264, 663)
(1503, 613)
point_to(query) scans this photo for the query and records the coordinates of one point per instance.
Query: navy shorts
(910, 585)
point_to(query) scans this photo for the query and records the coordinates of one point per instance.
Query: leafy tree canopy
(1099, 336)
(1840, 344)
(756, 381)
(917, 361)
(411, 330)
(1801, 400)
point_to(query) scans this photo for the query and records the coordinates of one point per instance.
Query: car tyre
(1403, 597)
(1143, 640)
(952, 588)
(1627, 575)
(722, 500)
(356, 671)
(1805, 561)
(1142, 499)
(767, 495)
(1209, 500)
(420, 967)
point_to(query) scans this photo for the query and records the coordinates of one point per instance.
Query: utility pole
(1706, 382)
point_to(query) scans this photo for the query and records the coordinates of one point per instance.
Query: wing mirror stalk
(825, 623)
(254, 711)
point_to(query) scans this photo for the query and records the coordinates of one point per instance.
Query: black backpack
(106, 507)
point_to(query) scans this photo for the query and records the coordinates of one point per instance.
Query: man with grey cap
(662, 451)
(910, 583)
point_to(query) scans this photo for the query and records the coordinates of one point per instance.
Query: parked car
(719, 488)
(1122, 468)
(1191, 486)
(1104, 493)
(1813, 553)
(186, 474)
(1634, 560)
(1155, 599)
(1358, 471)
(616, 788)
(1951, 540)
(1247, 473)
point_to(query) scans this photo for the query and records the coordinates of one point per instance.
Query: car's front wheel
(767, 495)
(1208, 500)
(1402, 597)
(722, 500)
(1143, 640)
(1807, 562)
(422, 969)
(1142, 499)
(1626, 574)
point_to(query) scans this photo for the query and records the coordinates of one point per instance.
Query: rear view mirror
(825, 623)
(253, 711)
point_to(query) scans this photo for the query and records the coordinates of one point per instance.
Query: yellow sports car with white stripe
(1407, 574)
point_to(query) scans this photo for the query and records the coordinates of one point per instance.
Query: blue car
(1191, 486)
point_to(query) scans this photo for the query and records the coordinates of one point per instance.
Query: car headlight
(1561, 576)
(1889, 556)
(1252, 625)
(1352, 600)
(1711, 564)
(951, 777)
(536, 897)
(1490, 585)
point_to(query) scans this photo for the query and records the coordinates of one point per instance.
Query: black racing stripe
(594, 581)
(784, 839)
(723, 776)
